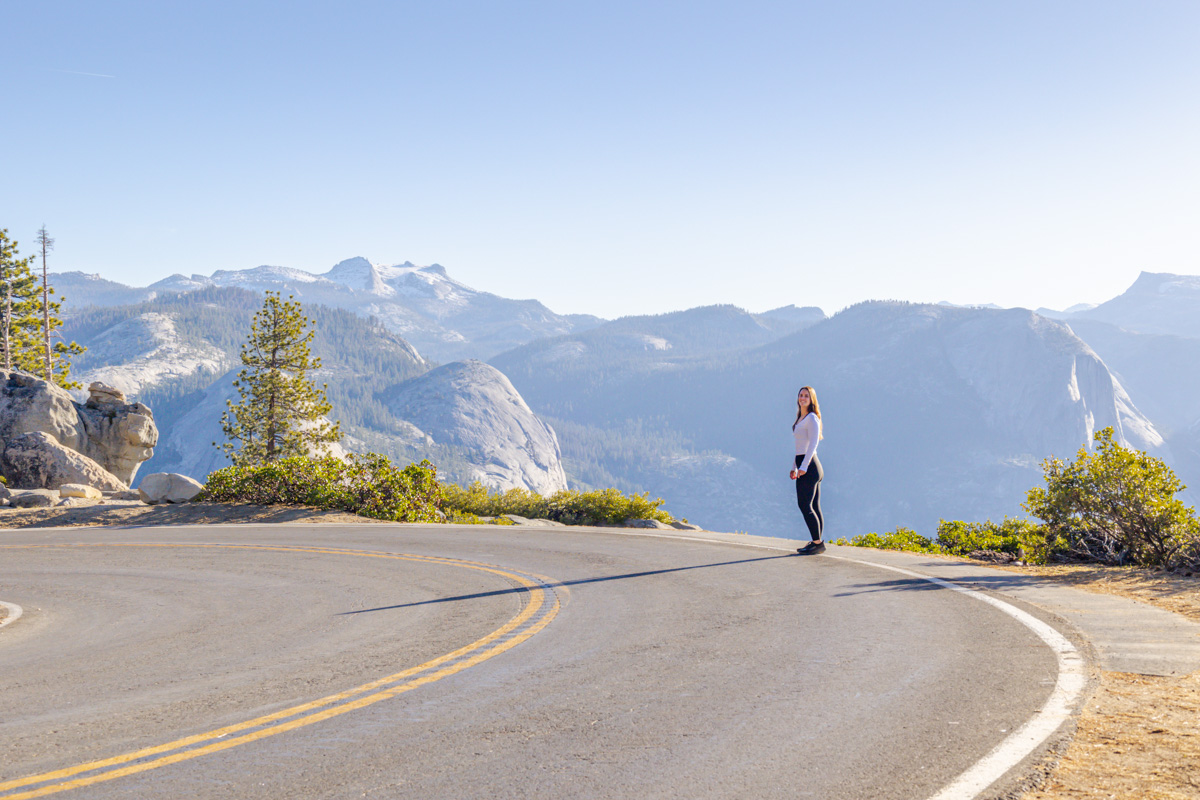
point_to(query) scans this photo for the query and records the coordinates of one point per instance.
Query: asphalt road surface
(471, 662)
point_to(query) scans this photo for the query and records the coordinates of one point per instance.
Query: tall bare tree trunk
(43, 238)
(7, 281)
(8, 328)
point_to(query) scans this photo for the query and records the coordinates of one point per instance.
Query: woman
(808, 473)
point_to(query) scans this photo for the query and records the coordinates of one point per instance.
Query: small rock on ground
(33, 498)
(648, 523)
(539, 523)
(80, 490)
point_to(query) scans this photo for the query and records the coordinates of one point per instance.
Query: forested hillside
(149, 361)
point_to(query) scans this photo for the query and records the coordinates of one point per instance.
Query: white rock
(101, 394)
(537, 523)
(79, 490)
(168, 487)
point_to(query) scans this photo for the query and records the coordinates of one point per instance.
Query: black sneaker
(811, 549)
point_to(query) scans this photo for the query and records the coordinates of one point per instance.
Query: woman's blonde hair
(813, 406)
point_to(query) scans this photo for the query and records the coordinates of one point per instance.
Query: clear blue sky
(616, 157)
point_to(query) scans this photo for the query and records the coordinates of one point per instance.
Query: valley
(931, 411)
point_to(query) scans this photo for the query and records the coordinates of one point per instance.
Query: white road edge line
(14, 613)
(1072, 678)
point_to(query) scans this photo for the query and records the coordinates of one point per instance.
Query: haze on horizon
(618, 158)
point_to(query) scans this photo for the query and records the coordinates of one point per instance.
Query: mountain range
(931, 411)
(444, 319)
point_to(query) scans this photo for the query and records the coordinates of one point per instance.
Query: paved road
(654, 668)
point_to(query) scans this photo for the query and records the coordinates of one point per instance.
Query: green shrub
(369, 485)
(900, 539)
(1018, 537)
(606, 506)
(1115, 505)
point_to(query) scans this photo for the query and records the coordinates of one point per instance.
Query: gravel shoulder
(1138, 735)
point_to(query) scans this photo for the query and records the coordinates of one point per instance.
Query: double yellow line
(541, 608)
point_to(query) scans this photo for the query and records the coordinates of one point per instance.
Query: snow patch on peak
(1165, 283)
(359, 273)
(181, 283)
(266, 272)
(392, 271)
(349, 267)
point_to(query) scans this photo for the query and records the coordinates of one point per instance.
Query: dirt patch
(1139, 736)
(121, 516)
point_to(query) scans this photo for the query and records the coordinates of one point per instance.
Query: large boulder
(109, 434)
(37, 461)
(168, 487)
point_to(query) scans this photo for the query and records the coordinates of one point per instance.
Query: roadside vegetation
(1112, 505)
(601, 507)
(369, 485)
(372, 486)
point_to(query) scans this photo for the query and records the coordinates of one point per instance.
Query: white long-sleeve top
(807, 433)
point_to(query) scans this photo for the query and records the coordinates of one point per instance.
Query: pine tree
(281, 413)
(33, 348)
(19, 307)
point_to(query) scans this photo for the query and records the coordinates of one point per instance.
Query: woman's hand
(792, 474)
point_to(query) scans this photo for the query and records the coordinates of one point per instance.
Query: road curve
(480, 661)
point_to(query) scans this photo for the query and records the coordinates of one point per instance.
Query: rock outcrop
(49, 439)
(120, 435)
(473, 407)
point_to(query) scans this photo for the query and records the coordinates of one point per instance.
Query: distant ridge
(443, 318)
(1157, 302)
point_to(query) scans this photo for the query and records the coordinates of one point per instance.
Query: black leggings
(808, 496)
